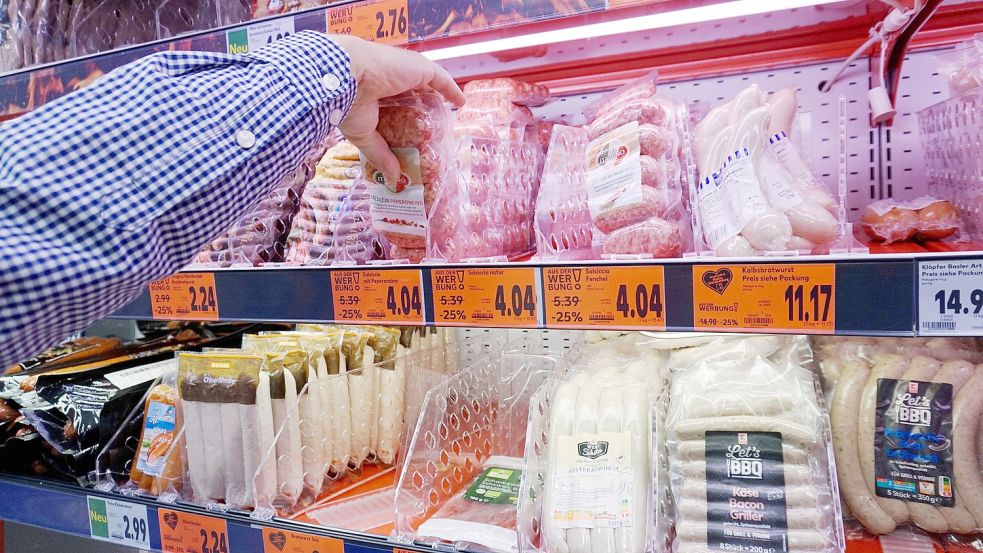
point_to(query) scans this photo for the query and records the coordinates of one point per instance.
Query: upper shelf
(885, 295)
(612, 40)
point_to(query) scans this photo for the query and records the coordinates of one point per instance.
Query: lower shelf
(154, 526)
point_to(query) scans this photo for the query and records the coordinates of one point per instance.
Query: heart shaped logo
(718, 280)
(278, 540)
(170, 519)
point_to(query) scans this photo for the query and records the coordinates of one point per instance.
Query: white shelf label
(950, 298)
(119, 522)
(253, 37)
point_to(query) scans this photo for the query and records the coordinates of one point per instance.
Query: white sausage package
(748, 449)
(906, 416)
(755, 192)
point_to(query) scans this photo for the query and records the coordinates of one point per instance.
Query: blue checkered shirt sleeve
(122, 182)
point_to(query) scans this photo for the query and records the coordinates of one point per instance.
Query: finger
(377, 152)
(443, 83)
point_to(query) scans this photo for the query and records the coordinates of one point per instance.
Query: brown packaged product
(152, 470)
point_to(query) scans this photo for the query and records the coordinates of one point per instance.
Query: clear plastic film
(906, 416)
(459, 486)
(749, 449)
(591, 452)
(755, 192)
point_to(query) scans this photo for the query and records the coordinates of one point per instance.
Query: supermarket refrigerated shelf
(69, 509)
(849, 295)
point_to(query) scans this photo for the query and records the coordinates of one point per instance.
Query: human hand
(382, 71)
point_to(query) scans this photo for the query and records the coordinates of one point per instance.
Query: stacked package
(416, 126)
(906, 415)
(633, 179)
(312, 235)
(490, 211)
(748, 449)
(260, 235)
(755, 192)
(271, 427)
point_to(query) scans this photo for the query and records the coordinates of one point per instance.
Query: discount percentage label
(378, 296)
(489, 297)
(185, 297)
(950, 298)
(615, 297)
(385, 21)
(772, 297)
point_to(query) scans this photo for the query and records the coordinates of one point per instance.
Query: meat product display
(747, 451)
(489, 211)
(924, 218)
(756, 193)
(312, 233)
(417, 128)
(564, 229)
(906, 418)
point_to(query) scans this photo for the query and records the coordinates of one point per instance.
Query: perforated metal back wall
(881, 162)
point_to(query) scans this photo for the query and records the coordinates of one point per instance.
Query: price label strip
(950, 298)
(185, 297)
(119, 522)
(489, 297)
(765, 297)
(378, 296)
(615, 297)
(183, 532)
(287, 541)
(385, 21)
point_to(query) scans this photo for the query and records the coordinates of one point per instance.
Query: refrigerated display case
(526, 248)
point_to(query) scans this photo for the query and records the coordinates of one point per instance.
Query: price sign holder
(625, 297)
(181, 532)
(774, 297)
(257, 35)
(185, 297)
(950, 298)
(486, 297)
(119, 522)
(378, 296)
(288, 541)
(385, 21)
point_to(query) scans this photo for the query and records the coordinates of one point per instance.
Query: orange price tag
(378, 296)
(617, 297)
(771, 297)
(288, 541)
(502, 297)
(183, 532)
(386, 21)
(185, 297)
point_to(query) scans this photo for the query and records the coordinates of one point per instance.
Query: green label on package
(496, 485)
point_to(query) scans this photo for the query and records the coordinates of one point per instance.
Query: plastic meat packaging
(924, 218)
(755, 192)
(312, 234)
(417, 128)
(591, 458)
(906, 416)
(634, 173)
(749, 457)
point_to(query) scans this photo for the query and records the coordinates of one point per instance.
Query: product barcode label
(758, 320)
(939, 325)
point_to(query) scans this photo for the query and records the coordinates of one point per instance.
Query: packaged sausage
(924, 218)
(416, 126)
(152, 469)
(906, 416)
(748, 449)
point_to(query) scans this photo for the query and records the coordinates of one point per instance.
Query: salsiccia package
(260, 235)
(417, 128)
(755, 192)
(749, 458)
(633, 175)
(906, 426)
(312, 234)
(591, 454)
(459, 487)
(924, 218)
